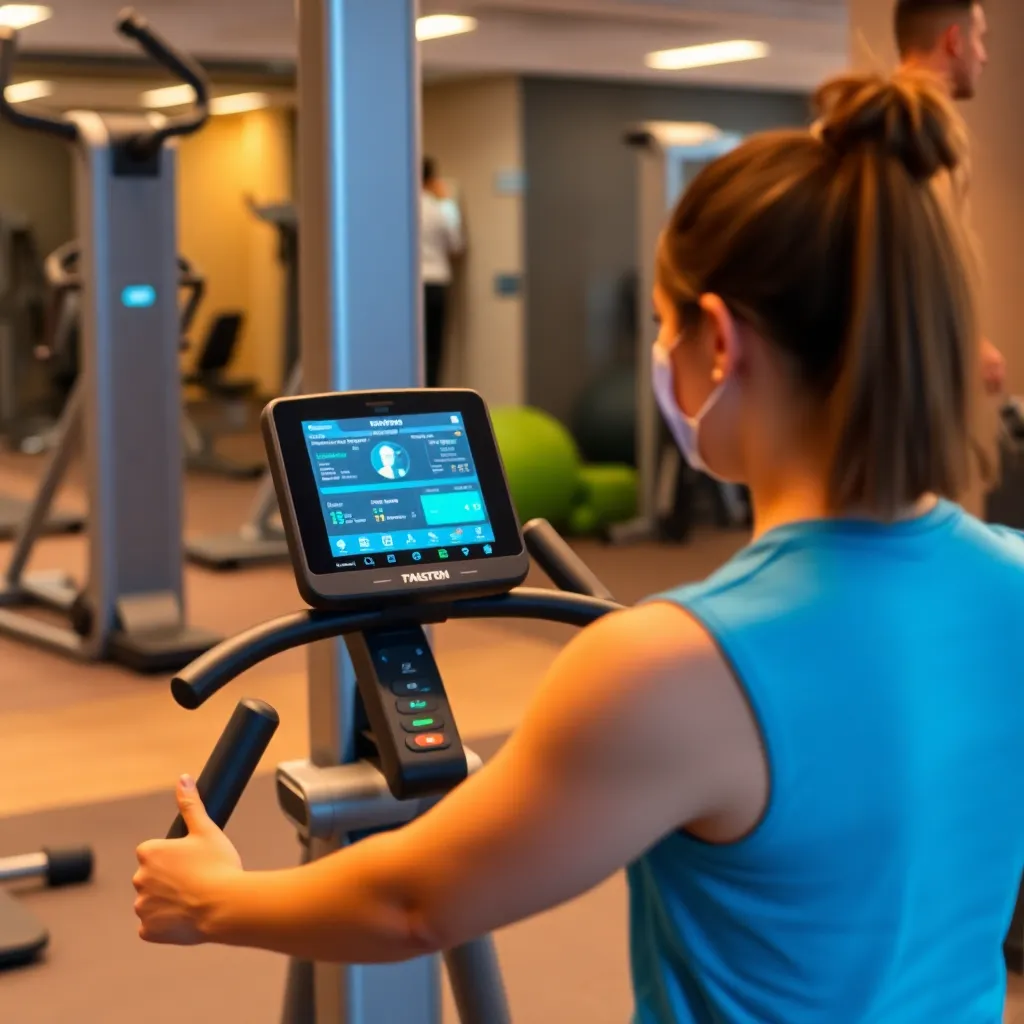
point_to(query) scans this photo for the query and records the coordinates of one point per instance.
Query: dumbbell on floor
(55, 868)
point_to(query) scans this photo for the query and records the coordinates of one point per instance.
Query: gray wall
(581, 214)
(35, 180)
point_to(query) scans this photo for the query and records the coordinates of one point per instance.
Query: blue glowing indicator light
(138, 296)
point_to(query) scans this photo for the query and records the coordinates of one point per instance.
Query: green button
(423, 723)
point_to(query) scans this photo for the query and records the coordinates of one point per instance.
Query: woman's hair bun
(908, 117)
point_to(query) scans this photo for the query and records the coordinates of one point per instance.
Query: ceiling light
(684, 133)
(170, 96)
(239, 103)
(22, 15)
(23, 92)
(707, 54)
(437, 26)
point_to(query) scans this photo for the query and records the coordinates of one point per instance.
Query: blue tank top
(885, 667)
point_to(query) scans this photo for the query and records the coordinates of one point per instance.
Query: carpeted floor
(569, 965)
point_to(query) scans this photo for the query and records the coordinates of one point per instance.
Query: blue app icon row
(417, 556)
(406, 540)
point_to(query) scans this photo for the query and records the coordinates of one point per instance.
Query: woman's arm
(637, 730)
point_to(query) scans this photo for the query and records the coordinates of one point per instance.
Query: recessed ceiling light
(23, 92)
(684, 133)
(22, 15)
(707, 54)
(169, 96)
(437, 26)
(239, 103)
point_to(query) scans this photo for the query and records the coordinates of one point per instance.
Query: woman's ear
(724, 336)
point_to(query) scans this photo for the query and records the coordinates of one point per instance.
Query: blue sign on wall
(508, 285)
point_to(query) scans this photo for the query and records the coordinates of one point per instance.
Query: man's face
(969, 53)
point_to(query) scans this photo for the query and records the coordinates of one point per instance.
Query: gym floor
(90, 753)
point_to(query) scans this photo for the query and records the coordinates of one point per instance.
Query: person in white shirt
(440, 241)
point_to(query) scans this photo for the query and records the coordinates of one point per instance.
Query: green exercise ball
(609, 495)
(541, 462)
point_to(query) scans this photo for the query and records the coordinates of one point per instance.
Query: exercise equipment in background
(260, 540)
(283, 217)
(27, 405)
(604, 420)
(229, 398)
(1004, 504)
(62, 354)
(22, 937)
(549, 480)
(541, 460)
(669, 155)
(125, 407)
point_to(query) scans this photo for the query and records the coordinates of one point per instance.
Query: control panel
(410, 728)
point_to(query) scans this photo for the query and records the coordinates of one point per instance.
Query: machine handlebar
(235, 758)
(8, 112)
(133, 26)
(199, 681)
(564, 567)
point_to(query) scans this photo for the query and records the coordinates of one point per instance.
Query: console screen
(398, 490)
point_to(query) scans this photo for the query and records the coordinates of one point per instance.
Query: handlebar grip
(52, 126)
(198, 681)
(565, 568)
(133, 26)
(233, 762)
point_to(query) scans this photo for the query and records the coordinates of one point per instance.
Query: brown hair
(834, 247)
(919, 23)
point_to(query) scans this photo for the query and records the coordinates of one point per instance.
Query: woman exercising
(808, 763)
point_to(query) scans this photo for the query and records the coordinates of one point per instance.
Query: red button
(422, 742)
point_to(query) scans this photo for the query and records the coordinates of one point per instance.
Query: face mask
(685, 429)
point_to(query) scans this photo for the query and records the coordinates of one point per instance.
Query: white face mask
(685, 429)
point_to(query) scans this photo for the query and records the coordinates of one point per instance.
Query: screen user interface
(398, 490)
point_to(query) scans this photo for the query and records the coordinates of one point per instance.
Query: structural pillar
(360, 325)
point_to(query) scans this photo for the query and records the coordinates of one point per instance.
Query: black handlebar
(51, 125)
(283, 214)
(61, 269)
(239, 750)
(133, 26)
(199, 681)
(563, 566)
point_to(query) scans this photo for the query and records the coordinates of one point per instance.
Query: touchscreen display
(398, 490)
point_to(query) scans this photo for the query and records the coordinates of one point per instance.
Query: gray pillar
(360, 325)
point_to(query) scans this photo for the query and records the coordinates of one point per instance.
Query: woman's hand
(178, 878)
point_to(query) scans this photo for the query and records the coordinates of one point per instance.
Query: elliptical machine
(444, 545)
(25, 405)
(260, 539)
(127, 415)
